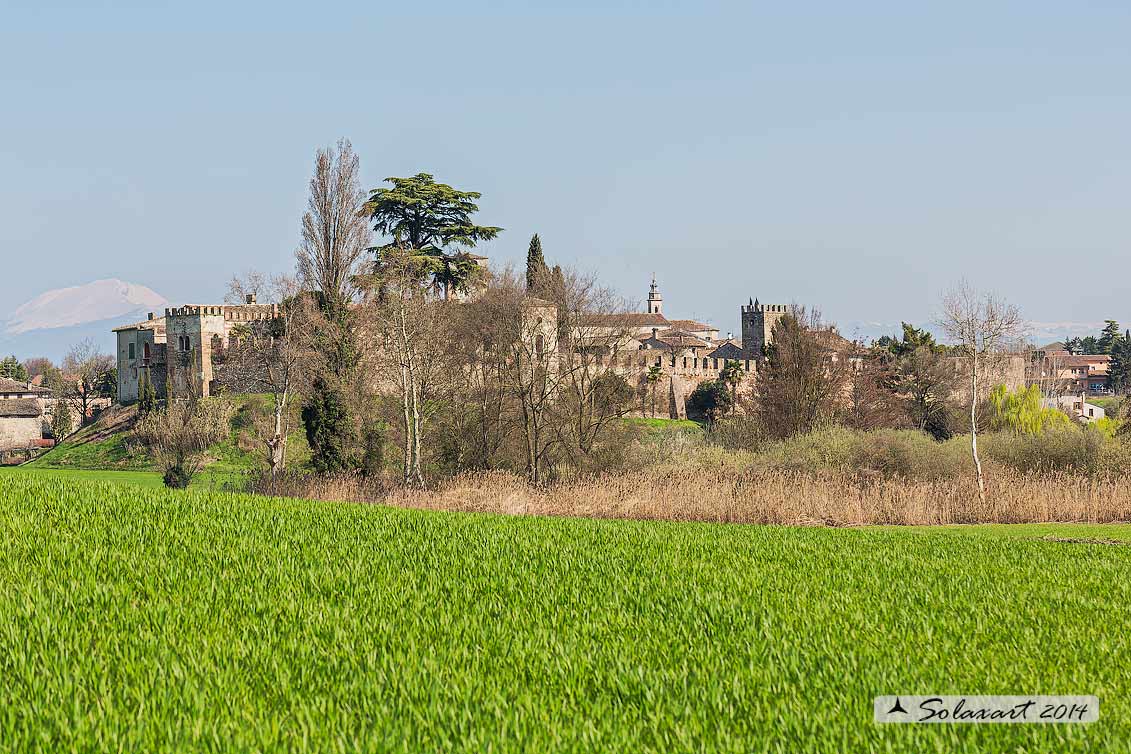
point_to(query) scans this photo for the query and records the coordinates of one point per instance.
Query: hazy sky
(857, 156)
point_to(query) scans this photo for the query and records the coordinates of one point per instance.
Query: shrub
(710, 401)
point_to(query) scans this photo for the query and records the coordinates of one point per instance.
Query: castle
(184, 350)
(686, 352)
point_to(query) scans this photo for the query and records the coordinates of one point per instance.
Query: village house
(23, 421)
(1067, 373)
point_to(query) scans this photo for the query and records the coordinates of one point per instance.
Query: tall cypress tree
(536, 269)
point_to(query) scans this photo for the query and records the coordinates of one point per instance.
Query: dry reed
(756, 496)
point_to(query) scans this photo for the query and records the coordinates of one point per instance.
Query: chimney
(250, 298)
(655, 330)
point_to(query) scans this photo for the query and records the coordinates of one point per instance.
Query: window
(132, 351)
(183, 343)
(145, 351)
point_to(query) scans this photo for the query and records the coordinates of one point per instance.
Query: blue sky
(859, 157)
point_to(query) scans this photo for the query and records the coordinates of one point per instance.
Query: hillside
(106, 445)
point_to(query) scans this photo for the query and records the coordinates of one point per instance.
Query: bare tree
(805, 380)
(335, 232)
(556, 361)
(981, 327)
(249, 287)
(273, 356)
(88, 375)
(409, 349)
(178, 434)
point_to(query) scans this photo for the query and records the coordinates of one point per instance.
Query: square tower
(758, 321)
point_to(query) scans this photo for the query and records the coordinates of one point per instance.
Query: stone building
(687, 352)
(183, 349)
(23, 421)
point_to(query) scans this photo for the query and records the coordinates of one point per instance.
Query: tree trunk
(974, 427)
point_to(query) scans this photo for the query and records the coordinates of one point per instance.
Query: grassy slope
(101, 449)
(149, 620)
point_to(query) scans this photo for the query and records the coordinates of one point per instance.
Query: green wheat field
(135, 619)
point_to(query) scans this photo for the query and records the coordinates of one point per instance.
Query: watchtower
(758, 322)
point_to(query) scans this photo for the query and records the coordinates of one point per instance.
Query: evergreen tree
(328, 427)
(11, 368)
(433, 221)
(1120, 367)
(146, 394)
(537, 273)
(61, 422)
(1108, 336)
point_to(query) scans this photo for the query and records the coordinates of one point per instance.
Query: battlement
(756, 307)
(238, 313)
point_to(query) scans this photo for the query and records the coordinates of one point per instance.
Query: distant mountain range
(52, 322)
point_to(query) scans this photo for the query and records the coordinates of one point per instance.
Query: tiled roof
(14, 386)
(628, 319)
(156, 324)
(1098, 360)
(690, 325)
(731, 350)
(20, 408)
(678, 339)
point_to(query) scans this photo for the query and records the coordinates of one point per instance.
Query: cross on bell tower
(655, 300)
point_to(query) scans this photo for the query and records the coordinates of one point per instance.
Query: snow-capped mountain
(54, 321)
(94, 302)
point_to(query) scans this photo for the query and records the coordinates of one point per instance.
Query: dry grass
(767, 497)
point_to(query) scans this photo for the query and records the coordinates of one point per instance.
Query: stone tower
(655, 300)
(758, 322)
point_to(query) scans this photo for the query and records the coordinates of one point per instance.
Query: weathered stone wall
(18, 432)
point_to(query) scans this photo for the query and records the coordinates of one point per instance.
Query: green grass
(134, 478)
(210, 478)
(81, 451)
(143, 620)
(655, 429)
(104, 447)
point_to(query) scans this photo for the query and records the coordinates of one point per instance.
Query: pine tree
(536, 269)
(1108, 337)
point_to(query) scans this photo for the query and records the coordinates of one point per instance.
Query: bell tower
(655, 300)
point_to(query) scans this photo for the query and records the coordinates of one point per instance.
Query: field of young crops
(136, 619)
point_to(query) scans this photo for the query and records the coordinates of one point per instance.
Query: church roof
(626, 319)
(675, 339)
(690, 325)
